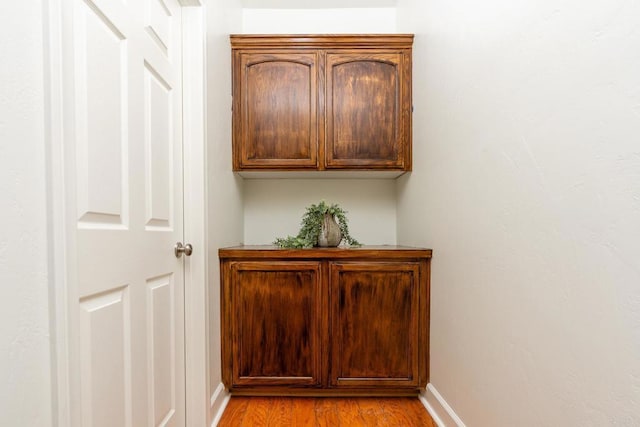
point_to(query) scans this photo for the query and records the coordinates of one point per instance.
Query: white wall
(25, 386)
(274, 207)
(311, 4)
(526, 184)
(224, 189)
(319, 21)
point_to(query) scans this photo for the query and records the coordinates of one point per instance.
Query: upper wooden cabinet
(322, 102)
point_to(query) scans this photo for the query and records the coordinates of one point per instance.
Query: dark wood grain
(325, 412)
(363, 252)
(375, 334)
(276, 323)
(277, 121)
(325, 322)
(320, 41)
(364, 103)
(305, 102)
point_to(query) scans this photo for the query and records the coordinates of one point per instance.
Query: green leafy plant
(312, 223)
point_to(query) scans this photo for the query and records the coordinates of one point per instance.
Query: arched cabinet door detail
(322, 102)
(276, 116)
(366, 95)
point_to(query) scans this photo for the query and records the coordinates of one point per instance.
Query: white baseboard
(439, 409)
(219, 400)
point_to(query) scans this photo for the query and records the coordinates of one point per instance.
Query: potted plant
(319, 228)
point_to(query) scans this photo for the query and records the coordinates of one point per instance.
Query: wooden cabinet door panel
(276, 115)
(276, 323)
(374, 324)
(366, 123)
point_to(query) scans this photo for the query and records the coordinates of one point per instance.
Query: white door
(123, 138)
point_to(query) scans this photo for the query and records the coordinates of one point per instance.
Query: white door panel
(101, 134)
(158, 24)
(159, 139)
(104, 355)
(128, 302)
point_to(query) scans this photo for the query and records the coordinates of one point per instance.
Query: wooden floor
(325, 412)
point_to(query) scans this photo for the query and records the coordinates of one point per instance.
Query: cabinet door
(368, 113)
(275, 110)
(275, 309)
(374, 335)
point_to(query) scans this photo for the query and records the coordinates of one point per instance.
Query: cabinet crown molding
(297, 41)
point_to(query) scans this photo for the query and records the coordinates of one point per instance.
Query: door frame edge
(195, 213)
(57, 230)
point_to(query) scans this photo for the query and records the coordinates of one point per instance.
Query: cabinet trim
(379, 253)
(270, 41)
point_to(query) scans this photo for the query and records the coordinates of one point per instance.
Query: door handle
(180, 249)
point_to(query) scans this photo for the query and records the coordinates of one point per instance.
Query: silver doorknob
(180, 249)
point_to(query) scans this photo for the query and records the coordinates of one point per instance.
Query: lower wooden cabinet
(325, 321)
(275, 333)
(374, 314)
